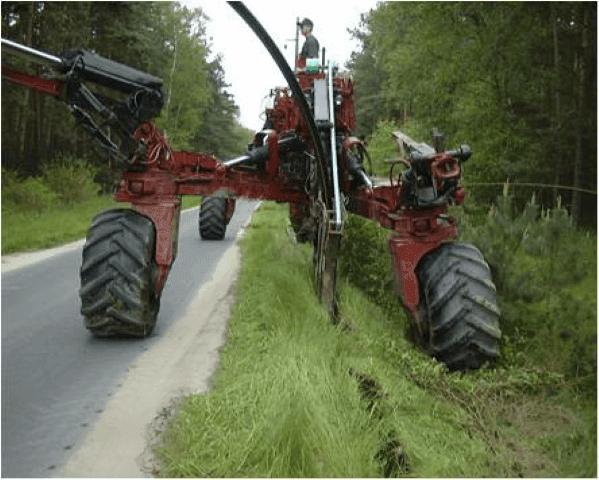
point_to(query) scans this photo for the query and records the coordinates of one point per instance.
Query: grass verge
(296, 396)
(24, 229)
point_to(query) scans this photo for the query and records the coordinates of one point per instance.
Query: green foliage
(29, 194)
(286, 401)
(545, 270)
(53, 225)
(365, 260)
(508, 79)
(296, 396)
(508, 237)
(164, 39)
(70, 179)
(186, 85)
(64, 182)
(382, 146)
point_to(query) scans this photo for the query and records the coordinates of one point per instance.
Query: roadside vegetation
(53, 178)
(516, 81)
(164, 39)
(296, 396)
(55, 207)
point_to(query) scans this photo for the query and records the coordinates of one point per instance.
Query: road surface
(56, 377)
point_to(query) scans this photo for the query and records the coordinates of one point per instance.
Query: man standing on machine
(311, 46)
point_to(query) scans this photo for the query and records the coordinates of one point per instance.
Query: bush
(72, 180)
(9, 178)
(381, 146)
(366, 262)
(544, 270)
(530, 250)
(30, 194)
(66, 181)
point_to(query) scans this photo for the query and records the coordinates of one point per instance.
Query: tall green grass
(25, 229)
(284, 402)
(298, 396)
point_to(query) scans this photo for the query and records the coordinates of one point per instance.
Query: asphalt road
(56, 377)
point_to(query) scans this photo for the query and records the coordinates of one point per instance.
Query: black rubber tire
(118, 274)
(212, 222)
(459, 307)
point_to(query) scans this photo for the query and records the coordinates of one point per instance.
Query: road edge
(18, 260)
(181, 363)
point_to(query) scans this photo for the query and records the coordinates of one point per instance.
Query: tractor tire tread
(460, 306)
(212, 218)
(118, 275)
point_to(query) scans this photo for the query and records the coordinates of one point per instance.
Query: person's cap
(307, 22)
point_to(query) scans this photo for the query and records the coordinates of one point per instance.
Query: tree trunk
(556, 127)
(580, 124)
(170, 80)
(38, 122)
(25, 99)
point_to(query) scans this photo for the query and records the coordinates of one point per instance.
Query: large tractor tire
(459, 308)
(118, 274)
(213, 218)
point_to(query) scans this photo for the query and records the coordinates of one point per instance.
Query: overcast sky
(248, 66)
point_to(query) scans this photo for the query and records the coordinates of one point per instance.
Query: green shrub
(31, 194)
(530, 250)
(9, 178)
(500, 238)
(72, 180)
(366, 262)
(544, 269)
(555, 238)
(381, 146)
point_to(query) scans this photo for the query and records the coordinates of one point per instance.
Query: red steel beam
(43, 85)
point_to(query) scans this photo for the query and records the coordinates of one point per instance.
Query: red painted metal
(285, 114)
(43, 85)
(459, 196)
(170, 174)
(166, 175)
(272, 166)
(445, 167)
(164, 213)
(419, 233)
(156, 198)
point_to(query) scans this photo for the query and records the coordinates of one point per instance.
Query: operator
(311, 46)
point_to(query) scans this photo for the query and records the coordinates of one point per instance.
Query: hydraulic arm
(305, 155)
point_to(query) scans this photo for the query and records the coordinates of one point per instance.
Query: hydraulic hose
(298, 95)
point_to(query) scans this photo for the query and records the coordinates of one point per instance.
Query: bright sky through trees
(248, 67)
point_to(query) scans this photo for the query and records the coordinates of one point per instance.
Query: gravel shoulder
(181, 363)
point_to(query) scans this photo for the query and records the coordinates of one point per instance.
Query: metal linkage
(298, 95)
(334, 168)
(30, 54)
(287, 162)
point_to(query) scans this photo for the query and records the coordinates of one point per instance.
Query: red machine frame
(156, 191)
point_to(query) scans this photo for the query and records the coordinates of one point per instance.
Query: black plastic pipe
(277, 56)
